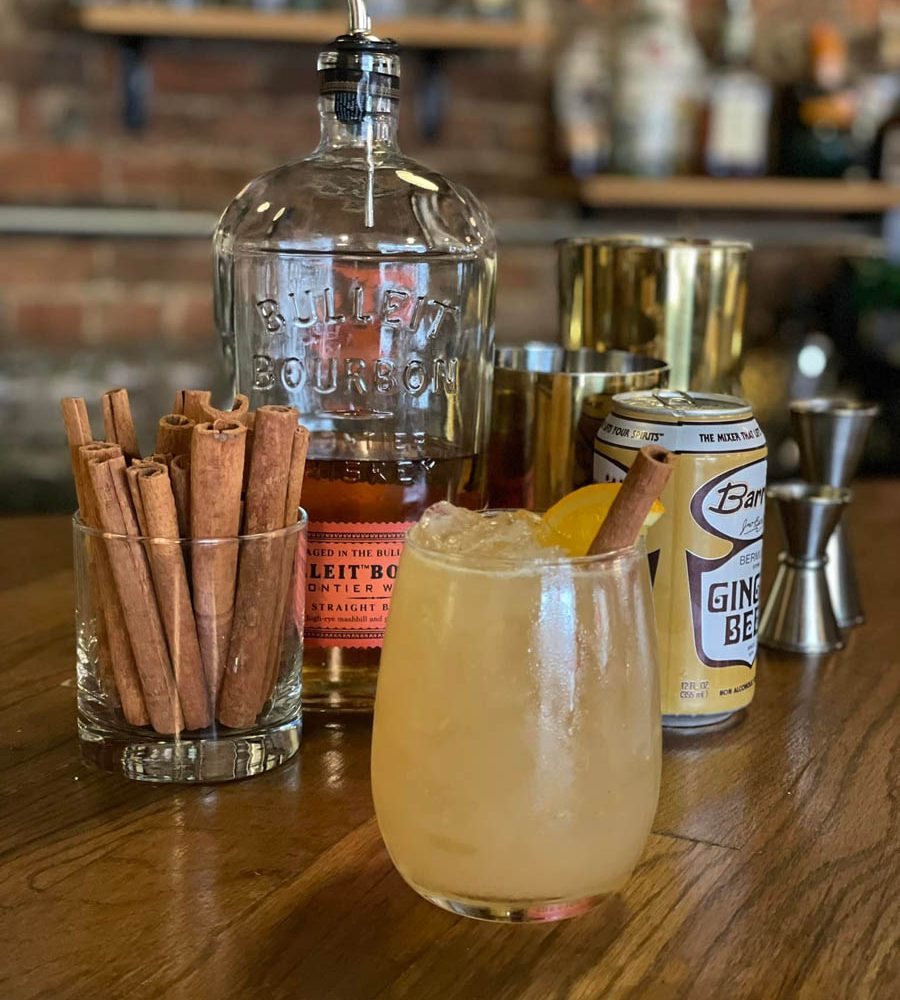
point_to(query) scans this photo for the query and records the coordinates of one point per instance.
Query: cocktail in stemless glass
(516, 748)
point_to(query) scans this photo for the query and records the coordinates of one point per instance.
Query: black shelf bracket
(136, 83)
(432, 98)
(137, 86)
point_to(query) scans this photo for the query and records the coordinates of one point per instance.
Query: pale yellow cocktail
(516, 746)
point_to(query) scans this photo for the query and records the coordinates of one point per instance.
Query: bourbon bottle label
(350, 573)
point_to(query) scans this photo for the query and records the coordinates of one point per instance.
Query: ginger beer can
(706, 550)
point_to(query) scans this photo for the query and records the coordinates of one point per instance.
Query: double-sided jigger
(798, 615)
(831, 434)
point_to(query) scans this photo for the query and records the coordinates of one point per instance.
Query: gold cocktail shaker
(681, 300)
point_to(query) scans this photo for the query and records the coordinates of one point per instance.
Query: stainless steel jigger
(831, 434)
(798, 615)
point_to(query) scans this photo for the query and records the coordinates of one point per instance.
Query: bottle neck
(738, 33)
(375, 130)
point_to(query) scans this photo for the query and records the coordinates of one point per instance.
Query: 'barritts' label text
(725, 591)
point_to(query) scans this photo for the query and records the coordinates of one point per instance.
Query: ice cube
(515, 535)
(446, 528)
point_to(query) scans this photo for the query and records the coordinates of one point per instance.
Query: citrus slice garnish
(576, 519)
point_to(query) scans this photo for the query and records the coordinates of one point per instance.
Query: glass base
(195, 758)
(531, 911)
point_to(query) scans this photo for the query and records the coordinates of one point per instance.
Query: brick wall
(219, 113)
(100, 310)
(78, 313)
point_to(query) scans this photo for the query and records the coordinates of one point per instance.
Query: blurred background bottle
(658, 89)
(740, 101)
(819, 111)
(582, 90)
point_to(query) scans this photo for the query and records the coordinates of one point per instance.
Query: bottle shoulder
(340, 201)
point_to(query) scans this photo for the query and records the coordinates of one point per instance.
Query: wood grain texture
(773, 871)
(754, 194)
(306, 26)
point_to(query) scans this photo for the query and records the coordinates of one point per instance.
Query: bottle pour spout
(360, 70)
(360, 22)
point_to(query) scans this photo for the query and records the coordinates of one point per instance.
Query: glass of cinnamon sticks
(189, 575)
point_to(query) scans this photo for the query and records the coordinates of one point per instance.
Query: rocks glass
(173, 686)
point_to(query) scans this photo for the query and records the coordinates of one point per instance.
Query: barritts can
(706, 550)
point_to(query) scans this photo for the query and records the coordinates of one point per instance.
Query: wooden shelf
(765, 194)
(139, 20)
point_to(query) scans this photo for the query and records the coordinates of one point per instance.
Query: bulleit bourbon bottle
(358, 286)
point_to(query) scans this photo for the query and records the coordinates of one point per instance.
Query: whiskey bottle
(658, 87)
(740, 101)
(358, 286)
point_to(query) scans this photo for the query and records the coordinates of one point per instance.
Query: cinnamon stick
(172, 592)
(288, 559)
(249, 423)
(180, 475)
(173, 434)
(190, 402)
(119, 423)
(642, 486)
(217, 465)
(121, 658)
(135, 588)
(136, 502)
(259, 574)
(78, 433)
(239, 412)
(124, 669)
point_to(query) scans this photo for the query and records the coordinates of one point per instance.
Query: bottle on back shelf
(885, 156)
(886, 151)
(358, 286)
(658, 87)
(818, 117)
(740, 101)
(582, 90)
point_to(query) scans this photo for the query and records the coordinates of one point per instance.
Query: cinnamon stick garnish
(135, 588)
(259, 577)
(190, 403)
(173, 434)
(642, 486)
(288, 559)
(172, 591)
(180, 475)
(119, 423)
(217, 467)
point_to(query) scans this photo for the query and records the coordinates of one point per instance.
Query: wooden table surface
(773, 869)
